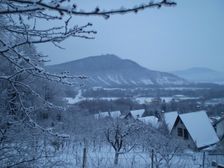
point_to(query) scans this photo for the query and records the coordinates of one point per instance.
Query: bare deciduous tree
(118, 135)
(20, 30)
(22, 66)
(162, 146)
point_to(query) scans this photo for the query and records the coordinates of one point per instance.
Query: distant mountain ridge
(201, 74)
(110, 71)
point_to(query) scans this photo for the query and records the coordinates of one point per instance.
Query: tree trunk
(116, 158)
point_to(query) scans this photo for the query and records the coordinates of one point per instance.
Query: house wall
(220, 129)
(189, 142)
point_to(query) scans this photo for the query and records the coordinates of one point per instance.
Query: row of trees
(211, 91)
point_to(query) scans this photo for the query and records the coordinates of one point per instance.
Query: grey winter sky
(172, 38)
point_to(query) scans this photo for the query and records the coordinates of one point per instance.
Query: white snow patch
(145, 100)
(166, 80)
(146, 81)
(215, 101)
(103, 80)
(122, 79)
(77, 98)
(184, 88)
(183, 97)
(113, 79)
(133, 82)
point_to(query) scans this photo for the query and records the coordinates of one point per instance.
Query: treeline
(206, 93)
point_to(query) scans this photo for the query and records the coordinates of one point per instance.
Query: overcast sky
(188, 35)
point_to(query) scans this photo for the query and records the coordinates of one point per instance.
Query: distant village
(197, 130)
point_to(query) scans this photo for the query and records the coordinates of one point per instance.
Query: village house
(150, 120)
(112, 114)
(169, 119)
(219, 128)
(195, 129)
(137, 113)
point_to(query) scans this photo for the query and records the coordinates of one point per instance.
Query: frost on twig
(64, 7)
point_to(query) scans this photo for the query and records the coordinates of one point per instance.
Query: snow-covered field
(142, 100)
(72, 100)
(184, 88)
(139, 99)
(103, 157)
(215, 101)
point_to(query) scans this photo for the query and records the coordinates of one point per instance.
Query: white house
(195, 129)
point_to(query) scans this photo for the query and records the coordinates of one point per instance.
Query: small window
(180, 132)
(185, 134)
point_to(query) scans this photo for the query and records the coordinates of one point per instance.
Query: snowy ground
(215, 101)
(140, 100)
(103, 157)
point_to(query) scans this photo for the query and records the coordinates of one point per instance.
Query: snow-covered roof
(112, 114)
(101, 115)
(115, 114)
(170, 118)
(152, 120)
(137, 113)
(199, 128)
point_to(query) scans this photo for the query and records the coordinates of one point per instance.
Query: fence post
(203, 160)
(84, 157)
(152, 159)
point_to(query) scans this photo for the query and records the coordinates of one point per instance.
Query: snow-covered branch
(41, 6)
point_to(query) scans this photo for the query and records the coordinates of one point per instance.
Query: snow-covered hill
(112, 71)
